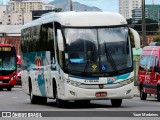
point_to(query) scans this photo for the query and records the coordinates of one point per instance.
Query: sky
(105, 5)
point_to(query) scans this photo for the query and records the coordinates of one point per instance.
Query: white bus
(78, 56)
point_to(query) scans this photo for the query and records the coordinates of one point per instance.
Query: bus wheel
(1, 89)
(34, 99)
(42, 100)
(158, 94)
(82, 102)
(143, 95)
(116, 102)
(60, 103)
(9, 89)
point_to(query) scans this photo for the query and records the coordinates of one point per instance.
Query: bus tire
(1, 88)
(9, 88)
(116, 102)
(42, 100)
(158, 93)
(143, 95)
(34, 99)
(60, 103)
(82, 102)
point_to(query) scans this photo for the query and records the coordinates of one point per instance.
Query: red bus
(8, 66)
(149, 72)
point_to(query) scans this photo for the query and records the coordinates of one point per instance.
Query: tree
(157, 39)
(151, 26)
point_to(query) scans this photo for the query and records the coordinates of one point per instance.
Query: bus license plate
(101, 94)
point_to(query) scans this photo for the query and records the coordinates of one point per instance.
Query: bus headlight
(73, 83)
(126, 82)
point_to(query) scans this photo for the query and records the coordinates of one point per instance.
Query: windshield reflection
(7, 61)
(99, 50)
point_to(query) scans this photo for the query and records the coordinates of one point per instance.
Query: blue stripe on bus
(125, 76)
(79, 77)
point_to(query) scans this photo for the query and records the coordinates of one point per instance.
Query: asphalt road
(17, 100)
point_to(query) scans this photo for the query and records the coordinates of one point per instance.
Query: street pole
(71, 6)
(143, 24)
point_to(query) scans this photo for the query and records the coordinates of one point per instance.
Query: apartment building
(24, 5)
(20, 11)
(2, 12)
(126, 7)
(137, 14)
(16, 18)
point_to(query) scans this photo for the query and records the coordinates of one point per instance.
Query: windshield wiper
(110, 58)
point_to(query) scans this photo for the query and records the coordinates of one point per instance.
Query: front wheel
(158, 95)
(143, 95)
(34, 99)
(60, 103)
(9, 89)
(116, 102)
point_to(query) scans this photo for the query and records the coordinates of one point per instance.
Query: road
(17, 100)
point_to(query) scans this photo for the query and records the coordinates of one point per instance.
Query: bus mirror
(60, 40)
(136, 38)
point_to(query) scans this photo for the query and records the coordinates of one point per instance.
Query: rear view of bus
(7, 66)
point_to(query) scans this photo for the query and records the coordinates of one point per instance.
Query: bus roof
(4, 45)
(79, 19)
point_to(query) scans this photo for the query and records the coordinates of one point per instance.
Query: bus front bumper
(76, 93)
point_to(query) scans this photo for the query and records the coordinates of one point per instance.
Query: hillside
(76, 6)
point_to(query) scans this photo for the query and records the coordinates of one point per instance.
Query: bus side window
(156, 67)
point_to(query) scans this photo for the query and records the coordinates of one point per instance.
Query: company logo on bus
(38, 62)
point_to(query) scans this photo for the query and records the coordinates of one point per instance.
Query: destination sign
(5, 49)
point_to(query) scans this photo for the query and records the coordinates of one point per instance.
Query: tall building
(24, 5)
(20, 11)
(153, 12)
(126, 7)
(2, 12)
(137, 14)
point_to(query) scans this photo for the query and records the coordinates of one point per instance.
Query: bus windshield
(97, 50)
(7, 61)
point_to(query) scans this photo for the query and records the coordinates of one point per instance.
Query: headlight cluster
(73, 83)
(13, 77)
(126, 82)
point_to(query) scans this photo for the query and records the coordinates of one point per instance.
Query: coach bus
(7, 66)
(78, 57)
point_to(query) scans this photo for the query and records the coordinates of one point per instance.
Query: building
(137, 14)
(153, 12)
(16, 18)
(126, 7)
(10, 34)
(20, 11)
(2, 11)
(48, 7)
(38, 13)
(24, 5)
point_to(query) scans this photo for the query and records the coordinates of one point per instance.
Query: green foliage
(157, 39)
(151, 25)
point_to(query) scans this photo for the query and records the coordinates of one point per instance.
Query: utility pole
(143, 24)
(71, 5)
